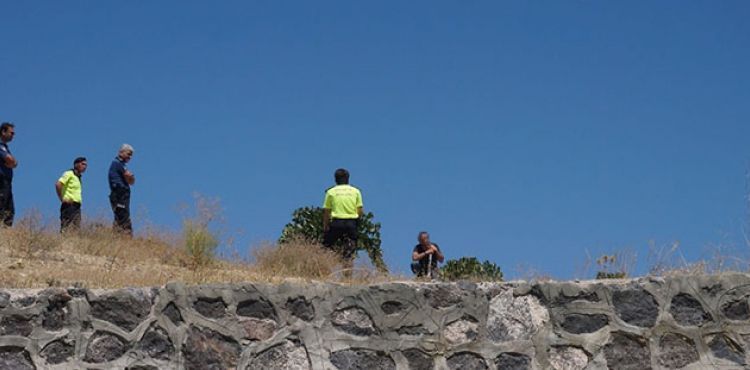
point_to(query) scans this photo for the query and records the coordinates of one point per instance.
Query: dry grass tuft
(298, 258)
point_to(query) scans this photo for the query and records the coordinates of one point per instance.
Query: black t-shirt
(423, 262)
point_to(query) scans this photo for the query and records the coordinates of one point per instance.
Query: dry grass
(33, 254)
(299, 258)
(305, 260)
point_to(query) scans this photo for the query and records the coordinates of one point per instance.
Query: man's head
(126, 152)
(80, 164)
(423, 238)
(7, 131)
(342, 176)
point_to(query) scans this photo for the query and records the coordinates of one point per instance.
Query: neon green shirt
(71, 189)
(343, 201)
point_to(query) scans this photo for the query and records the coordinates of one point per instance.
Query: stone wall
(690, 322)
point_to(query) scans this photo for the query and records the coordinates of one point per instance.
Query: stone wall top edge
(734, 278)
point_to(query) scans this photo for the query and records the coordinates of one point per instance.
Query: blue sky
(526, 133)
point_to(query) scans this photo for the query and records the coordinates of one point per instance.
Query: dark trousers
(7, 208)
(119, 199)
(342, 229)
(70, 216)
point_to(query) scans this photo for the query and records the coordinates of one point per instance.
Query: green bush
(307, 223)
(200, 236)
(469, 268)
(200, 242)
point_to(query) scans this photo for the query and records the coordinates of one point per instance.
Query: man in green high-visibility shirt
(342, 208)
(69, 192)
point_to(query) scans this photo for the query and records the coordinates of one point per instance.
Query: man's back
(343, 201)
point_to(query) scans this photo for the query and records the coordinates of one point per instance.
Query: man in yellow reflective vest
(342, 208)
(69, 191)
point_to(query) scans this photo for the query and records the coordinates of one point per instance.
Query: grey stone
(418, 360)
(55, 315)
(568, 358)
(104, 347)
(462, 331)
(156, 344)
(17, 325)
(467, 361)
(15, 358)
(301, 308)
(208, 349)
(577, 323)
(59, 351)
(392, 307)
(513, 361)
(353, 320)
(4, 299)
(412, 330)
(172, 313)
(563, 299)
(142, 367)
(124, 308)
(712, 290)
(23, 302)
(688, 311)
(736, 310)
(258, 329)
(77, 292)
(443, 296)
(677, 351)
(213, 308)
(258, 308)
(288, 355)
(725, 348)
(515, 318)
(362, 359)
(636, 307)
(627, 352)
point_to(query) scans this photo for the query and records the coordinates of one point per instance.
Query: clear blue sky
(524, 132)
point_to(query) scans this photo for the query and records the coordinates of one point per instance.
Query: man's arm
(326, 219)
(438, 254)
(129, 177)
(360, 211)
(10, 161)
(58, 188)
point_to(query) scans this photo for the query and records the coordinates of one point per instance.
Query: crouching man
(426, 256)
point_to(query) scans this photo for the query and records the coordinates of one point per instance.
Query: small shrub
(613, 266)
(31, 237)
(200, 243)
(298, 258)
(469, 268)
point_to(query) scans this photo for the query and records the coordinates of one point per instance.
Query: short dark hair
(419, 236)
(342, 176)
(5, 126)
(79, 160)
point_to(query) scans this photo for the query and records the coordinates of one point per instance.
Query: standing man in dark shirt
(421, 256)
(7, 163)
(120, 180)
